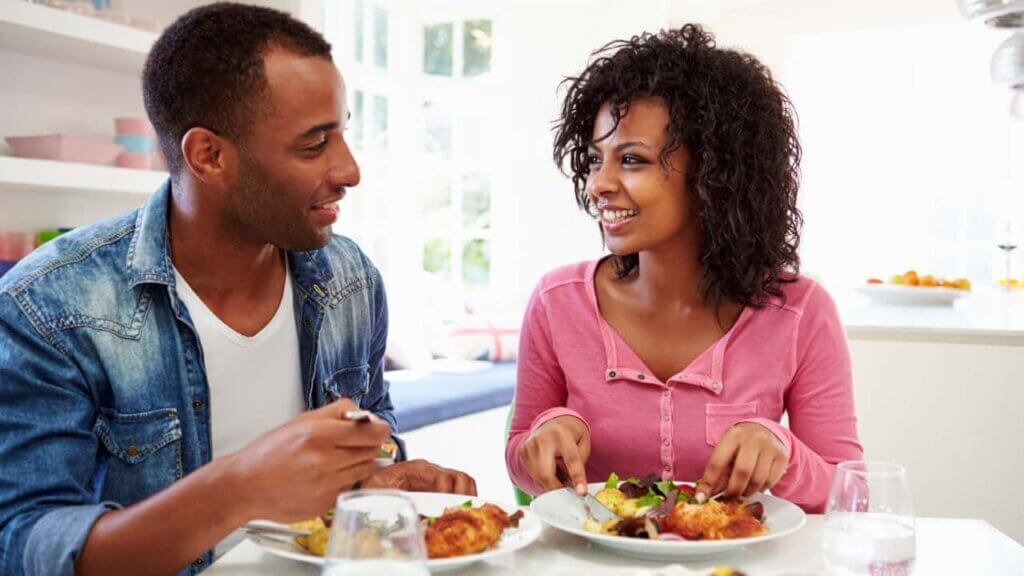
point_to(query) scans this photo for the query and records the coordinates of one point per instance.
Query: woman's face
(640, 203)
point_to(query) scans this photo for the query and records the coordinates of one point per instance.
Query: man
(153, 368)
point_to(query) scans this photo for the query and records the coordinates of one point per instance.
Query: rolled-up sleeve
(47, 450)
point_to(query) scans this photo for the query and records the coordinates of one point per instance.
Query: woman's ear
(204, 154)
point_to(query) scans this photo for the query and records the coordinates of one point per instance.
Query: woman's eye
(630, 159)
(593, 159)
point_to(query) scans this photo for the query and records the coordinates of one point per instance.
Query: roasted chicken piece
(714, 520)
(462, 531)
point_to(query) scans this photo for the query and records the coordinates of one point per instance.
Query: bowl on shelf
(65, 148)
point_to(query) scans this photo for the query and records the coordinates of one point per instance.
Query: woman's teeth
(617, 215)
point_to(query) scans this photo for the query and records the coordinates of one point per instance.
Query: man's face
(295, 165)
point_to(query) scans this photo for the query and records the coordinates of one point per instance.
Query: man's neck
(220, 265)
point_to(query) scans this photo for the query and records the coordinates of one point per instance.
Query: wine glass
(869, 521)
(375, 532)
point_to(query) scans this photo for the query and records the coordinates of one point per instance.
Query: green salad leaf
(613, 481)
(649, 500)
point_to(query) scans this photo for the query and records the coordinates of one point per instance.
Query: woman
(680, 352)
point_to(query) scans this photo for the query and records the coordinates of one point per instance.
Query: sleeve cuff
(553, 413)
(57, 538)
(780, 432)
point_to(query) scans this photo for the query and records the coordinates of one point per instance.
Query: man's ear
(206, 154)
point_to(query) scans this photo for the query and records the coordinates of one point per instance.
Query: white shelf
(69, 37)
(25, 175)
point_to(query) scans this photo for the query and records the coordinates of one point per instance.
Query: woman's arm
(822, 424)
(541, 392)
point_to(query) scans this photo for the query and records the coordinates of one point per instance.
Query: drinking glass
(869, 521)
(375, 532)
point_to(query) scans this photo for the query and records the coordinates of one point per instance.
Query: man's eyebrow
(319, 129)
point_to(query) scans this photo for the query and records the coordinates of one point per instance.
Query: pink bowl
(66, 148)
(134, 126)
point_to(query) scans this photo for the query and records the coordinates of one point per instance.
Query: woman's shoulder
(566, 275)
(800, 294)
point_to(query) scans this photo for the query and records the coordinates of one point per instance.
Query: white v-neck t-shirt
(254, 381)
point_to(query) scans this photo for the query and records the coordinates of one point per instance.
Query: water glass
(869, 521)
(375, 532)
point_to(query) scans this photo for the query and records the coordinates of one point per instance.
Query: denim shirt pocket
(721, 417)
(143, 453)
(352, 383)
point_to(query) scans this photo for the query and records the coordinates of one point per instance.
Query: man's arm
(49, 521)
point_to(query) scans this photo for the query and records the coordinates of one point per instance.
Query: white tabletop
(944, 546)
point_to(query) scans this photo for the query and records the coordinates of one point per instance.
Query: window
(422, 92)
(437, 49)
(380, 37)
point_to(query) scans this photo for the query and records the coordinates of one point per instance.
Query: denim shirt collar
(149, 254)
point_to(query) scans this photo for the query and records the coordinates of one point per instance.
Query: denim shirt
(103, 394)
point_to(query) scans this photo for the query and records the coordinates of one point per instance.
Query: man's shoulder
(90, 255)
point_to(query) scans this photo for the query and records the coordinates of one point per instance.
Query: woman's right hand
(564, 438)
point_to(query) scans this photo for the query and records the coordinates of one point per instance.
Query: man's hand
(297, 470)
(422, 476)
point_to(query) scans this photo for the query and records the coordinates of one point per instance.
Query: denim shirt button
(133, 450)
(197, 405)
(198, 562)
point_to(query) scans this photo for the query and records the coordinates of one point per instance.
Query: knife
(592, 506)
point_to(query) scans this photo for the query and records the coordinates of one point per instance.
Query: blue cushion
(437, 397)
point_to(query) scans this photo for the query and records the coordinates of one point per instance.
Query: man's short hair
(206, 70)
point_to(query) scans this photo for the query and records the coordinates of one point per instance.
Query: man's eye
(318, 146)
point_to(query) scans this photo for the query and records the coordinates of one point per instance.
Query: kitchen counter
(986, 317)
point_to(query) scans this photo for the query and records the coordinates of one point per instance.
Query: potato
(316, 542)
(612, 498)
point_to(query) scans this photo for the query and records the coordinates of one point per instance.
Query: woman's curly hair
(738, 126)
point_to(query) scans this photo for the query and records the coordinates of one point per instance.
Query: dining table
(945, 546)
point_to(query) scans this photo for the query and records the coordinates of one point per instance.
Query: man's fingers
(464, 484)
(444, 483)
(350, 475)
(346, 434)
(347, 458)
(335, 410)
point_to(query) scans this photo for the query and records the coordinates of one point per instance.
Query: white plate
(430, 504)
(562, 510)
(896, 295)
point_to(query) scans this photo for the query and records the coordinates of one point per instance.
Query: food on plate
(458, 531)
(1011, 283)
(664, 510)
(911, 278)
(466, 530)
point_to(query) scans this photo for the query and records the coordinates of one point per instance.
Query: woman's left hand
(749, 458)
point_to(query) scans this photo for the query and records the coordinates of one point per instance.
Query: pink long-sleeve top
(787, 357)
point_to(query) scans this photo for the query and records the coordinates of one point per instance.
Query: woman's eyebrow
(622, 145)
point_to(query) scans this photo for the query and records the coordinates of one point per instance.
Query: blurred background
(913, 144)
